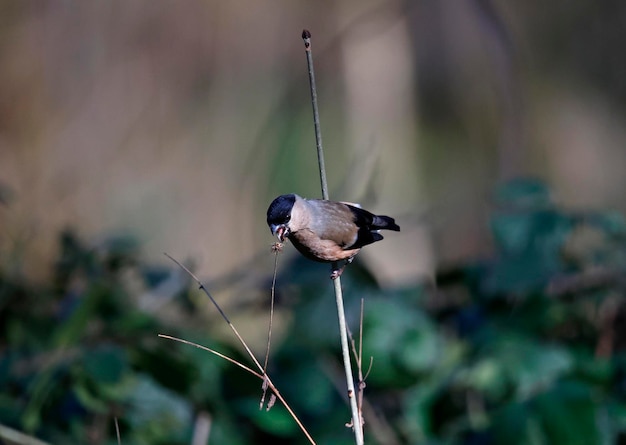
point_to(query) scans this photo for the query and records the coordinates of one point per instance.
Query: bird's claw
(336, 273)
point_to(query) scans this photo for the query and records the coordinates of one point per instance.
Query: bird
(326, 231)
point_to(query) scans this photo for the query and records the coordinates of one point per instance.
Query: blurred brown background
(180, 121)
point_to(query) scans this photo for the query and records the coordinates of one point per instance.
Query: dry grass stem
(117, 431)
(269, 329)
(212, 351)
(262, 375)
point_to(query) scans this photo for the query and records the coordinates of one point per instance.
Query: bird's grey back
(332, 220)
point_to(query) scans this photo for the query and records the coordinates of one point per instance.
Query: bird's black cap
(279, 211)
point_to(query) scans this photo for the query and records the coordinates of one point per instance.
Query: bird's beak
(280, 230)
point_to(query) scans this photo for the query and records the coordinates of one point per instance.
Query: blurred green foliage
(524, 347)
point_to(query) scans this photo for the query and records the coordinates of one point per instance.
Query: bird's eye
(288, 218)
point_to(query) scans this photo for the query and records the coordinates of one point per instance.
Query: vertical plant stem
(357, 424)
(306, 36)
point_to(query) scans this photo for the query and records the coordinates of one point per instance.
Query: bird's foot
(336, 273)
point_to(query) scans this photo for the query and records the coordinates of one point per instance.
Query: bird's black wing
(368, 225)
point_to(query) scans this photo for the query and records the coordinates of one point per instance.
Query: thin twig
(263, 375)
(356, 419)
(212, 351)
(361, 334)
(272, 296)
(306, 36)
(117, 431)
(360, 362)
(269, 328)
(369, 368)
(379, 427)
(208, 294)
(358, 358)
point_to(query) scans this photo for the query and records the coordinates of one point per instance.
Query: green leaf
(519, 276)
(89, 400)
(568, 414)
(10, 408)
(106, 364)
(227, 431)
(420, 349)
(157, 413)
(486, 376)
(511, 424)
(402, 340)
(313, 389)
(418, 410)
(542, 232)
(533, 366)
(71, 332)
(276, 421)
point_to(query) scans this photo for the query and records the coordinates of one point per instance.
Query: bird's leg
(336, 273)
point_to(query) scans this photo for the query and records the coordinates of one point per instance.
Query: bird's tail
(385, 223)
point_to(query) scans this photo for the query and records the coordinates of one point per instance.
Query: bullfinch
(326, 231)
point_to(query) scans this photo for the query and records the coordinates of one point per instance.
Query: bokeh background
(132, 129)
